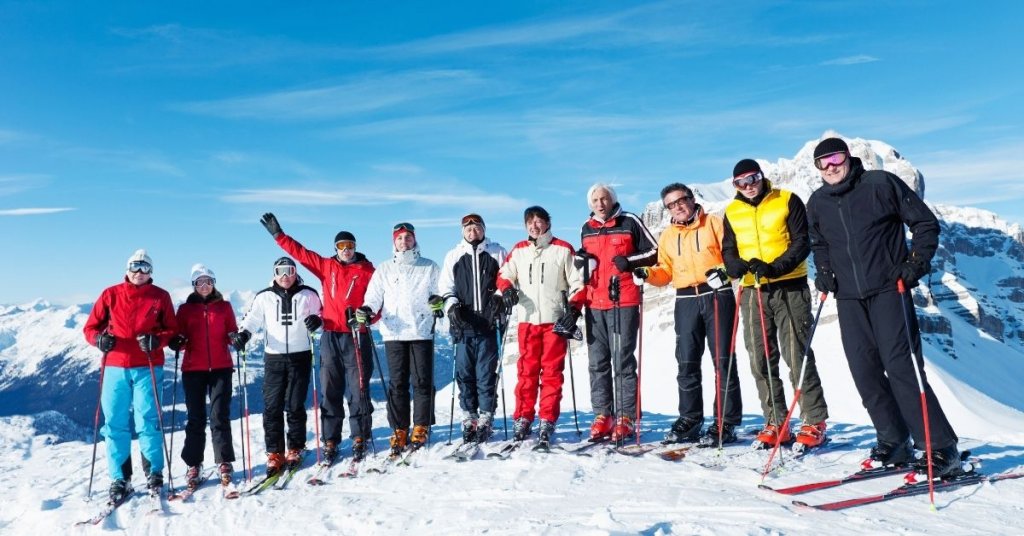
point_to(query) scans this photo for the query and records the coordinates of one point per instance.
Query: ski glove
(585, 263)
(566, 326)
(105, 342)
(363, 315)
(642, 272)
(436, 304)
(910, 270)
(148, 342)
(313, 322)
(717, 277)
(825, 281)
(455, 318)
(737, 268)
(510, 297)
(621, 263)
(177, 342)
(239, 339)
(762, 269)
(270, 222)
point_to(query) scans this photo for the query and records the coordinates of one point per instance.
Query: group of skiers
(854, 224)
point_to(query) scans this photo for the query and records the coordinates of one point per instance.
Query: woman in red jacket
(204, 322)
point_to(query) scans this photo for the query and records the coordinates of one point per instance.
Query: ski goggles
(749, 180)
(834, 159)
(204, 282)
(472, 219)
(672, 205)
(140, 266)
(284, 270)
(345, 244)
(407, 227)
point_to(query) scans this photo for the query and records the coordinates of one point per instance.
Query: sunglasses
(678, 202)
(834, 159)
(284, 270)
(743, 182)
(140, 266)
(472, 219)
(204, 282)
(345, 244)
(404, 227)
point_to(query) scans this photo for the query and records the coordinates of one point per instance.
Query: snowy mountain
(971, 309)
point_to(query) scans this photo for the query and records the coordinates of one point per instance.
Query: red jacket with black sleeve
(622, 234)
(206, 324)
(344, 285)
(127, 311)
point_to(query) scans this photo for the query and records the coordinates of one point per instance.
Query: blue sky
(138, 124)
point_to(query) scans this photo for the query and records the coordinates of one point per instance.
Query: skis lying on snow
(464, 451)
(277, 480)
(859, 476)
(186, 493)
(320, 472)
(909, 490)
(505, 451)
(107, 510)
(289, 471)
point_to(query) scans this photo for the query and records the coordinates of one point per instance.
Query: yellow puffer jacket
(686, 252)
(762, 232)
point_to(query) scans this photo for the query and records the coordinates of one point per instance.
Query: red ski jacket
(206, 324)
(622, 235)
(127, 311)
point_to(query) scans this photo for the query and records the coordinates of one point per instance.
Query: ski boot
(330, 452)
(521, 429)
(710, 436)
(683, 430)
(485, 426)
(226, 471)
(275, 461)
(398, 442)
(602, 427)
(419, 436)
(883, 454)
(623, 430)
(119, 489)
(947, 463)
(155, 483)
(358, 449)
(809, 437)
(767, 437)
(469, 429)
(192, 476)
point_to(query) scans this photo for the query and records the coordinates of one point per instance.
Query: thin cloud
(32, 211)
(318, 197)
(12, 184)
(368, 94)
(952, 176)
(126, 159)
(851, 60)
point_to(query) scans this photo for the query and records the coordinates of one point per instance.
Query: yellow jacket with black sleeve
(771, 227)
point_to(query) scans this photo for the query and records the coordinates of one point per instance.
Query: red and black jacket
(622, 234)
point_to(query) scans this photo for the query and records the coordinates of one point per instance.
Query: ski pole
(364, 395)
(501, 370)
(96, 426)
(732, 359)
(572, 379)
(767, 358)
(160, 418)
(316, 400)
(900, 286)
(248, 427)
(451, 419)
(241, 410)
(387, 391)
(174, 411)
(639, 364)
(799, 386)
(614, 287)
(718, 368)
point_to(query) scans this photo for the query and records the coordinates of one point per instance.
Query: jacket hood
(214, 296)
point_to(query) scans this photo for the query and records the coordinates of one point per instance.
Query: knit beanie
(140, 255)
(344, 235)
(745, 166)
(284, 261)
(829, 146)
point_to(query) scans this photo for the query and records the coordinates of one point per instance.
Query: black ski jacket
(857, 230)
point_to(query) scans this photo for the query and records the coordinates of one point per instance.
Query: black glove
(363, 315)
(105, 342)
(313, 322)
(737, 268)
(436, 304)
(270, 222)
(239, 339)
(762, 269)
(910, 271)
(825, 281)
(148, 342)
(177, 342)
(579, 260)
(455, 317)
(642, 272)
(621, 263)
(566, 326)
(717, 278)
(510, 297)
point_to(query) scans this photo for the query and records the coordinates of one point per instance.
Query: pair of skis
(278, 480)
(155, 507)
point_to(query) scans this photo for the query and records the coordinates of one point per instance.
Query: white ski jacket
(282, 313)
(541, 270)
(399, 290)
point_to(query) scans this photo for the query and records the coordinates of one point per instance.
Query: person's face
(833, 172)
(284, 276)
(473, 232)
(404, 241)
(680, 205)
(536, 226)
(601, 203)
(346, 250)
(139, 273)
(749, 184)
(204, 286)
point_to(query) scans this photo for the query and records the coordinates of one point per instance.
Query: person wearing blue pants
(131, 323)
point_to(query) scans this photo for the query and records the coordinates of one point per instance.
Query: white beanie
(200, 270)
(139, 255)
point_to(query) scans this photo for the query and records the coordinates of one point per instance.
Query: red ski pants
(541, 362)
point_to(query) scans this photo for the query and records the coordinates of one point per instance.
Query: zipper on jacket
(478, 296)
(542, 273)
(849, 252)
(530, 274)
(209, 354)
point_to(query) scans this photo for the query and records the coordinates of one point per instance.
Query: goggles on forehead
(834, 159)
(472, 219)
(743, 182)
(284, 270)
(140, 266)
(204, 282)
(345, 244)
(404, 227)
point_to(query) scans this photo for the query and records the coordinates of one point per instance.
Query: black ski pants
(879, 354)
(476, 365)
(415, 359)
(602, 326)
(343, 377)
(198, 386)
(697, 320)
(285, 387)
